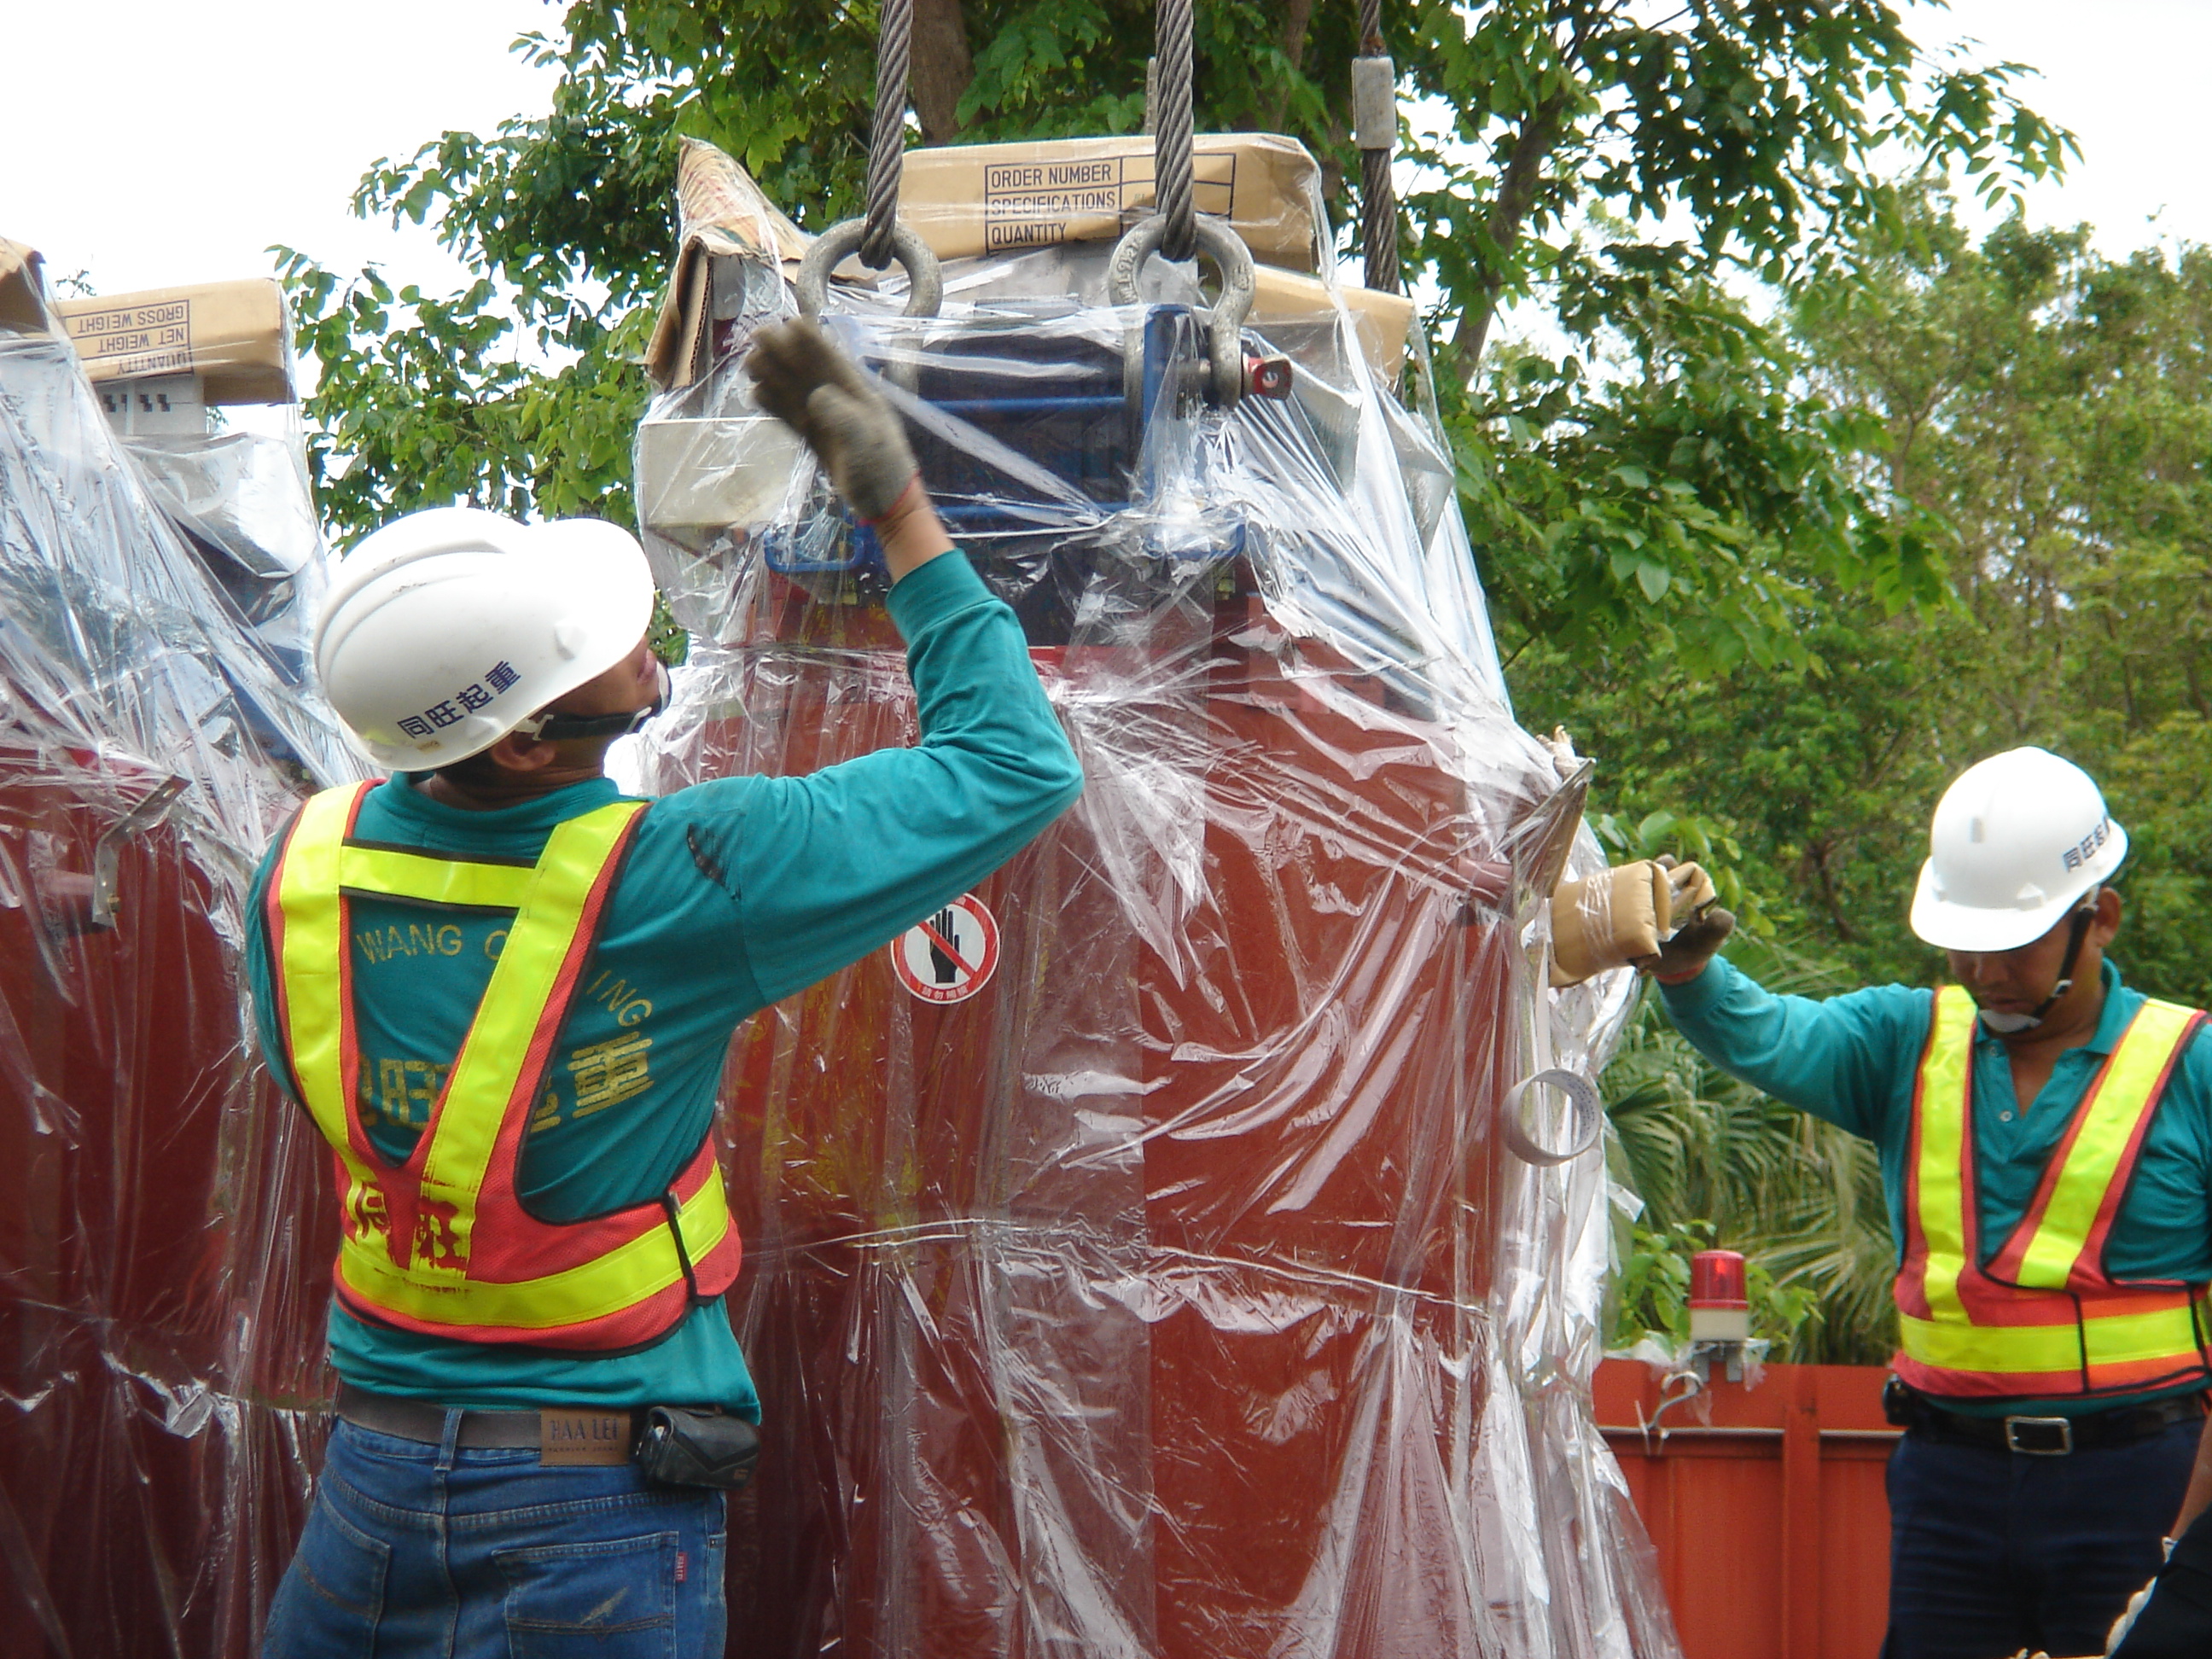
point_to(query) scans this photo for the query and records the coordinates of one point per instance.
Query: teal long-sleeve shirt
(1851, 1059)
(735, 893)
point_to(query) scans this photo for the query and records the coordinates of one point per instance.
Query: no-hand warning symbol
(948, 956)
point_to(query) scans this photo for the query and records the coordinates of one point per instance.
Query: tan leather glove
(802, 378)
(1702, 926)
(1629, 916)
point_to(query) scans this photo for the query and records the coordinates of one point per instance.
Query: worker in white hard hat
(2045, 1139)
(502, 991)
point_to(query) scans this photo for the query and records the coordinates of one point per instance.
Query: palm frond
(1797, 1196)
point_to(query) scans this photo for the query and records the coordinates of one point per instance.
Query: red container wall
(1766, 1505)
(164, 1235)
(163, 1251)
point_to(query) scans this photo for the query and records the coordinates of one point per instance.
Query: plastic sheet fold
(1160, 1281)
(164, 1238)
(1139, 1262)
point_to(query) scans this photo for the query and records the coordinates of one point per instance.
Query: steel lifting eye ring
(1225, 327)
(925, 279)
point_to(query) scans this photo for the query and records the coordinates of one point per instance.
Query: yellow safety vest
(442, 1245)
(2044, 1320)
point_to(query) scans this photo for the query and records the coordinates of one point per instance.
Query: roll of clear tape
(1589, 1117)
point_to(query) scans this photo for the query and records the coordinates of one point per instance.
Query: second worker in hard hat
(504, 991)
(2045, 1141)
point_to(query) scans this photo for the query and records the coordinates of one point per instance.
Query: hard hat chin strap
(555, 728)
(2011, 1024)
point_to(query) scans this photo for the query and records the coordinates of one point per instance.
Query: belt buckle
(2021, 1432)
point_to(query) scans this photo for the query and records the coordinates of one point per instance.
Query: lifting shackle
(1175, 232)
(879, 236)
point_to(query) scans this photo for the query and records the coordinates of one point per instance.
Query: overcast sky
(150, 142)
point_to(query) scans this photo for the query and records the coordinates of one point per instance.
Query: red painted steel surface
(164, 1239)
(1766, 1505)
(164, 1234)
(1180, 1349)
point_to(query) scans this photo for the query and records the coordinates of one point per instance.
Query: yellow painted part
(437, 881)
(2136, 1065)
(1944, 1102)
(2113, 1339)
(619, 1279)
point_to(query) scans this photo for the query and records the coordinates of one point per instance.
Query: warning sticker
(950, 955)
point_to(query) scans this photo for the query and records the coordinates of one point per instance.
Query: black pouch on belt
(681, 1447)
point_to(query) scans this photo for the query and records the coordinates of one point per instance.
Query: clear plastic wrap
(1176, 1292)
(164, 1233)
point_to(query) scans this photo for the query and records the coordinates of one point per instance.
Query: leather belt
(420, 1420)
(2037, 1436)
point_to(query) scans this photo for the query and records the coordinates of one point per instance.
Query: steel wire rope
(1171, 136)
(887, 142)
(1379, 197)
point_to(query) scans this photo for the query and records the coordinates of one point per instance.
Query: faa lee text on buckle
(571, 1437)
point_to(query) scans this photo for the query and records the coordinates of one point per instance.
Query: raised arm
(827, 867)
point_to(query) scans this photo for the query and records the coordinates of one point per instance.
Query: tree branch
(942, 68)
(1296, 14)
(1517, 193)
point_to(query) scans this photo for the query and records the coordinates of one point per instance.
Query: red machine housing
(1125, 1305)
(164, 1239)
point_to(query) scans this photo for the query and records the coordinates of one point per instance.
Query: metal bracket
(87, 904)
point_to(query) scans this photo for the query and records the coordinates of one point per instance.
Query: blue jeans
(1991, 1551)
(418, 1550)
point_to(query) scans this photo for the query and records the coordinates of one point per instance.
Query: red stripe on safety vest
(509, 1255)
(1991, 1303)
(519, 1249)
(272, 924)
(2093, 1252)
(2006, 1264)
(2139, 1377)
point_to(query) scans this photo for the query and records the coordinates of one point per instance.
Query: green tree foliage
(2044, 409)
(2051, 405)
(1655, 478)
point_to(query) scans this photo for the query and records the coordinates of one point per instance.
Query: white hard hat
(2017, 840)
(448, 628)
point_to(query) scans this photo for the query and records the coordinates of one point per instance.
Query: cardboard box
(235, 336)
(967, 199)
(721, 213)
(1385, 322)
(22, 288)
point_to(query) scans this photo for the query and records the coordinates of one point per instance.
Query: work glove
(1696, 941)
(801, 377)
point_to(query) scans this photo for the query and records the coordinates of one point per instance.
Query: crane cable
(1171, 132)
(1375, 129)
(887, 142)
